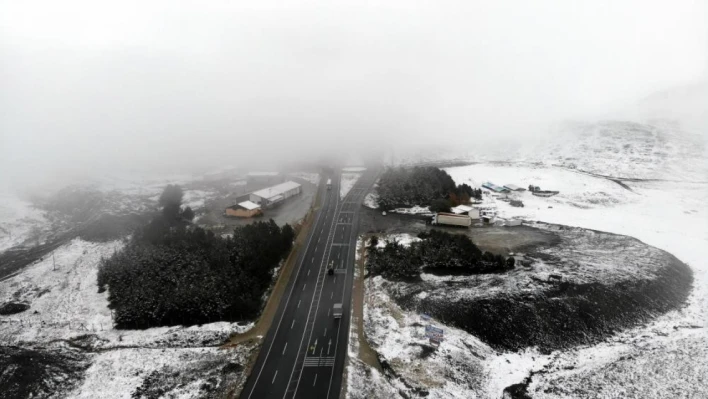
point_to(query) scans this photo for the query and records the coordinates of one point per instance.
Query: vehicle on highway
(451, 219)
(337, 311)
(329, 184)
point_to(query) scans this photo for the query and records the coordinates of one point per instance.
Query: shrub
(436, 250)
(440, 205)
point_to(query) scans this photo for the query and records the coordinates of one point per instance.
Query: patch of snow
(364, 382)
(347, 182)
(371, 200)
(455, 369)
(18, 219)
(176, 372)
(404, 239)
(65, 303)
(196, 199)
(414, 210)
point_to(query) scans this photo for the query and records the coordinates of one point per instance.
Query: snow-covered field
(162, 372)
(65, 305)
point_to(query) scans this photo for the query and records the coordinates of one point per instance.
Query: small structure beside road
(516, 203)
(513, 187)
(536, 190)
(245, 209)
(493, 187)
(273, 195)
(473, 213)
(461, 209)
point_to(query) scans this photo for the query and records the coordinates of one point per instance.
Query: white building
(474, 214)
(466, 210)
(272, 195)
(461, 209)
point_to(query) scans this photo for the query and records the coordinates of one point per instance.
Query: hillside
(660, 150)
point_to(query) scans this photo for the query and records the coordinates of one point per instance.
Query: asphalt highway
(304, 353)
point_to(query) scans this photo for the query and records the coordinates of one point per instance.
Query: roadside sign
(434, 332)
(425, 317)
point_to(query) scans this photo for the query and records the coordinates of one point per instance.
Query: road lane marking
(328, 310)
(308, 272)
(314, 305)
(339, 326)
(298, 303)
(274, 375)
(313, 384)
(331, 296)
(325, 334)
(286, 347)
(292, 325)
(303, 287)
(335, 279)
(290, 294)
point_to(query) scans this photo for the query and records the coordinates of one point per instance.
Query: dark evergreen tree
(440, 205)
(188, 214)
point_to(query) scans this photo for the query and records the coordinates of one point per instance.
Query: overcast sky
(115, 85)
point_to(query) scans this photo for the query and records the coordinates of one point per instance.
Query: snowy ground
(18, 220)
(65, 306)
(165, 372)
(196, 199)
(666, 358)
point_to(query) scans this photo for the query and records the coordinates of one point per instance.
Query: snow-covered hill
(625, 149)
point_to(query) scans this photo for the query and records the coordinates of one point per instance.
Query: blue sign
(425, 316)
(433, 332)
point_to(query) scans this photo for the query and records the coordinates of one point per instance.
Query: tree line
(436, 250)
(171, 272)
(422, 185)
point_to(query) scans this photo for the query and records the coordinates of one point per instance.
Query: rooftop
(249, 205)
(494, 187)
(276, 190)
(461, 209)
